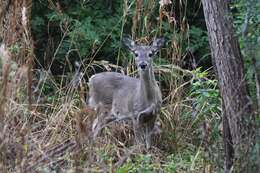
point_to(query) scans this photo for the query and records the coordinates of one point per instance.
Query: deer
(137, 99)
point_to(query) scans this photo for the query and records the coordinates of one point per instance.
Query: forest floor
(53, 132)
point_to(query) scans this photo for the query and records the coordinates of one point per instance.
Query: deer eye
(136, 54)
(150, 54)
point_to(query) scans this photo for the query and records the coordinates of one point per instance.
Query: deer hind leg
(100, 123)
(105, 116)
(92, 103)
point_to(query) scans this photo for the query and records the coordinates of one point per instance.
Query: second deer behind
(138, 99)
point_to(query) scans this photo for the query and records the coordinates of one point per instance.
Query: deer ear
(129, 43)
(157, 44)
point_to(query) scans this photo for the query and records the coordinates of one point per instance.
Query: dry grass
(55, 135)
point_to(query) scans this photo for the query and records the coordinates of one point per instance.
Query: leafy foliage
(76, 30)
(247, 25)
(90, 32)
(206, 93)
(83, 31)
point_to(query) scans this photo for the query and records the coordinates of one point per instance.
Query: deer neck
(147, 84)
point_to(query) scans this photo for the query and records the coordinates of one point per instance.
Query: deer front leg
(146, 123)
(147, 114)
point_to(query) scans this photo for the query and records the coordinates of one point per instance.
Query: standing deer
(138, 99)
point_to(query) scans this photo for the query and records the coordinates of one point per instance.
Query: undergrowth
(55, 133)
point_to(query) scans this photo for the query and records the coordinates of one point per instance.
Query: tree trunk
(15, 34)
(17, 55)
(238, 117)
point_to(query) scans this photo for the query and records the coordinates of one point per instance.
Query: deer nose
(142, 65)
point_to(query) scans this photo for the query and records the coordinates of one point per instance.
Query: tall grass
(54, 132)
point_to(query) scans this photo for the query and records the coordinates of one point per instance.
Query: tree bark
(15, 34)
(228, 145)
(15, 28)
(238, 116)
